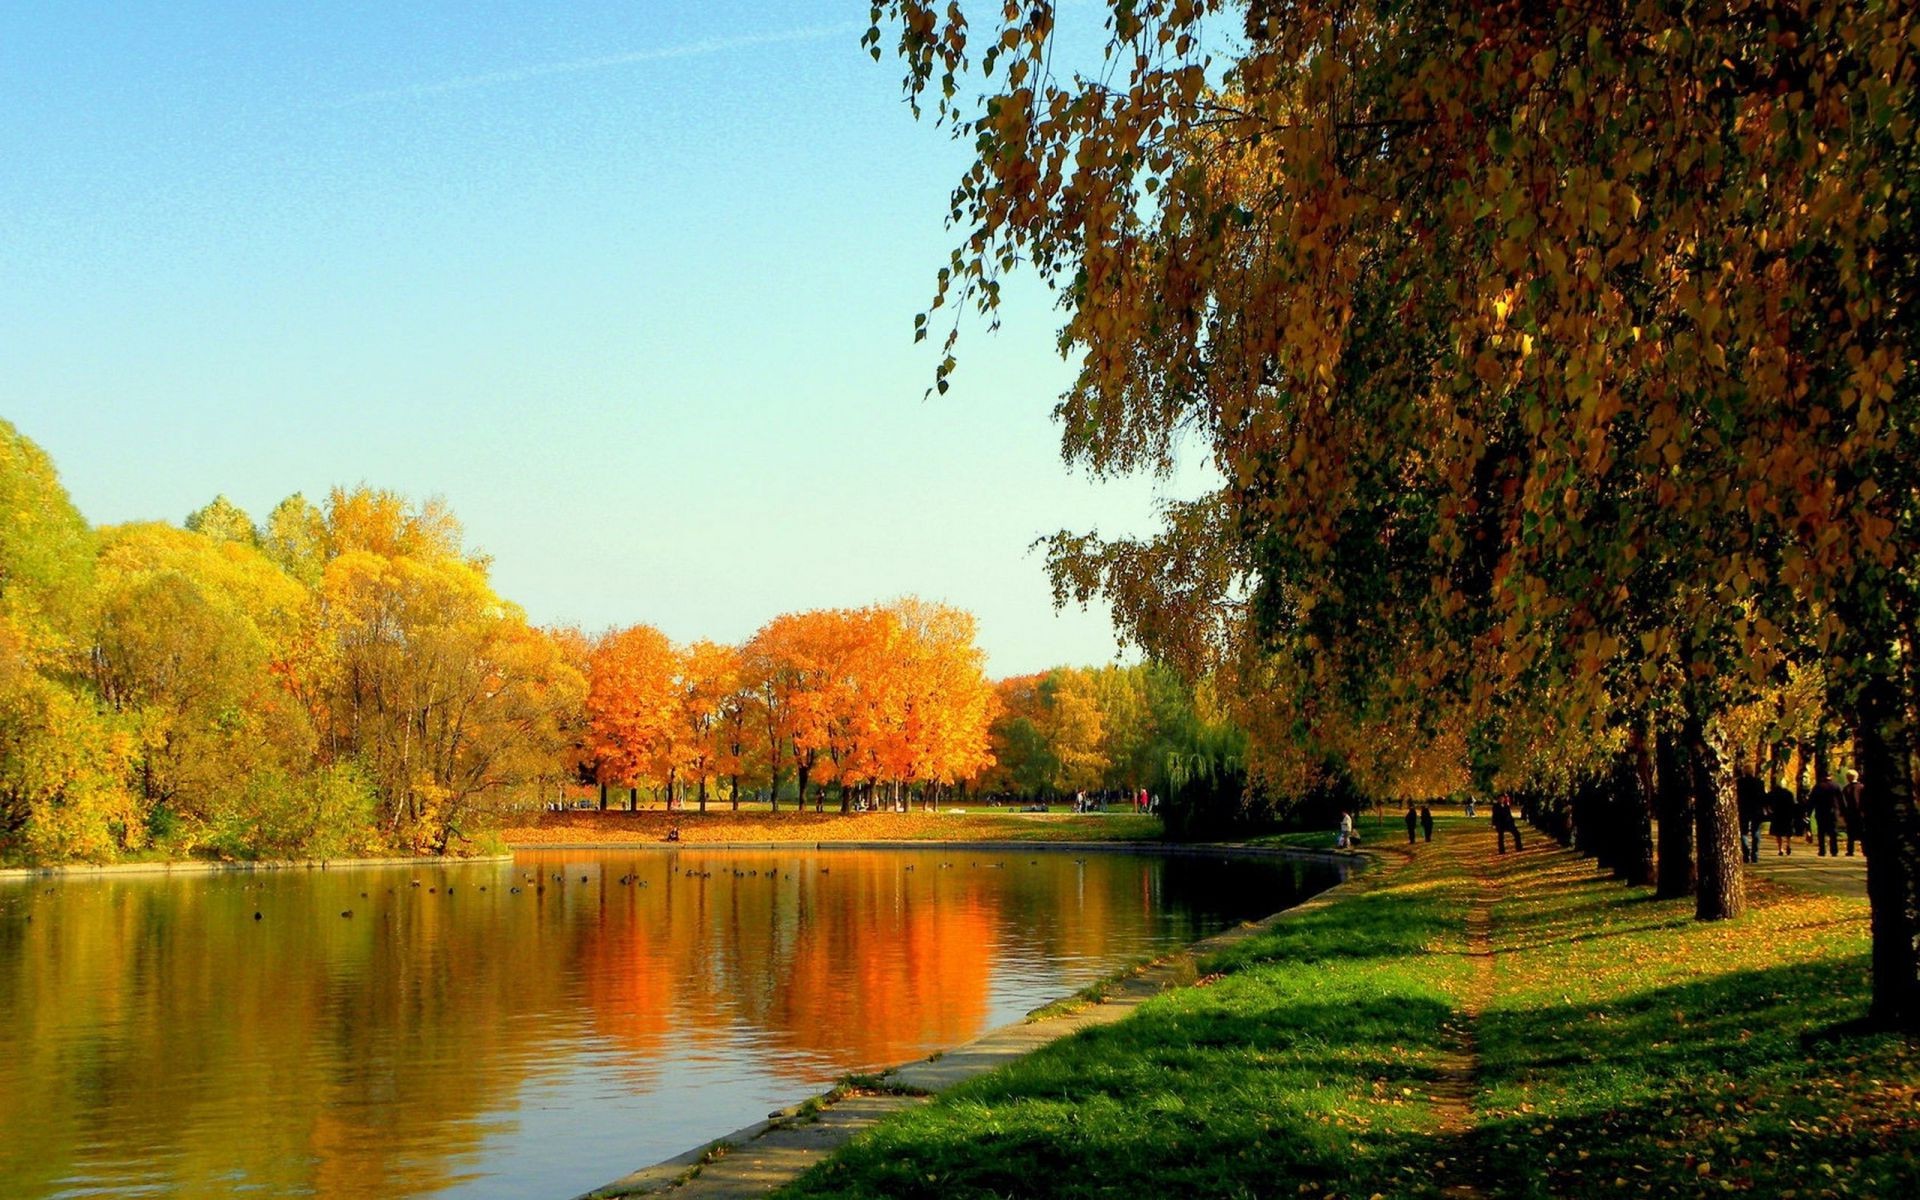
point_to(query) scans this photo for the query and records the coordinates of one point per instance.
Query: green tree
(221, 520)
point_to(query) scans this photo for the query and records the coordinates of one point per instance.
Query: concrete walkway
(1834, 876)
(762, 1157)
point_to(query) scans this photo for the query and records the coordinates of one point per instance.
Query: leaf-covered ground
(1624, 1051)
(1634, 1051)
(749, 825)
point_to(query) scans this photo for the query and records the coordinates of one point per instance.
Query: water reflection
(527, 1029)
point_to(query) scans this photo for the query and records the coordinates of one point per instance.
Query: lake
(455, 1037)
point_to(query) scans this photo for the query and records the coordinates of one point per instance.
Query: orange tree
(633, 705)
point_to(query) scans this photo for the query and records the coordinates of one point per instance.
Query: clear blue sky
(631, 285)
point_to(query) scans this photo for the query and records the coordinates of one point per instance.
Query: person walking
(1783, 818)
(1504, 824)
(1750, 798)
(1852, 810)
(1413, 822)
(1344, 838)
(1824, 799)
(1426, 821)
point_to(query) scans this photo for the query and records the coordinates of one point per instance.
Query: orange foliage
(631, 705)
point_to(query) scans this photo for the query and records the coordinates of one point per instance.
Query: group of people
(1818, 816)
(1419, 821)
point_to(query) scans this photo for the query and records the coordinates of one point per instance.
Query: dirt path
(1459, 1075)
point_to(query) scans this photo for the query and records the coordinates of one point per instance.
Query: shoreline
(875, 1094)
(196, 866)
(1180, 849)
(192, 866)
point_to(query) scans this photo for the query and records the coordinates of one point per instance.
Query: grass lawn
(581, 827)
(1623, 1050)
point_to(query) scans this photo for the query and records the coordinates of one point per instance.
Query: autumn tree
(443, 691)
(61, 793)
(709, 680)
(632, 703)
(221, 520)
(1552, 357)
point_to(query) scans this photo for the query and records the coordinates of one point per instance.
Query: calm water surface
(453, 1037)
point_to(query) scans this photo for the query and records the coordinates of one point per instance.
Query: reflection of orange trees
(885, 969)
(866, 966)
(628, 969)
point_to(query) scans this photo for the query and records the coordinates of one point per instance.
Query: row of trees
(883, 702)
(1557, 362)
(340, 678)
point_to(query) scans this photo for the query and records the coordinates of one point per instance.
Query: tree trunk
(1892, 835)
(1721, 887)
(603, 795)
(1673, 798)
(1580, 802)
(1634, 779)
(703, 793)
(800, 802)
(733, 790)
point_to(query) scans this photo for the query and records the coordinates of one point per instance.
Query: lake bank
(614, 827)
(201, 866)
(775, 1151)
(1469, 1024)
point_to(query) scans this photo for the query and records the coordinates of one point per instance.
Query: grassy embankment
(612, 828)
(1622, 1050)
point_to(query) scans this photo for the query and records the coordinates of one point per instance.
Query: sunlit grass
(1626, 1051)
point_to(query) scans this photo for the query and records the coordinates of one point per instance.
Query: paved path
(1835, 876)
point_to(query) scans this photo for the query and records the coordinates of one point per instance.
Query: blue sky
(631, 285)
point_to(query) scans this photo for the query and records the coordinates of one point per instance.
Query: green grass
(1299, 839)
(1634, 1051)
(1626, 1051)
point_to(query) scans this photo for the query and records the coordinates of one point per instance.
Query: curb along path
(769, 1154)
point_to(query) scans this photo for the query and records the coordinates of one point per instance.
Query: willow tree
(1556, 340)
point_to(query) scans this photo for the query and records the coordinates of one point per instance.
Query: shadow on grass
(1173, 1102)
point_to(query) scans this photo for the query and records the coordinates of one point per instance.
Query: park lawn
(1625, 1051)
(1634, 1051)
(582, 827)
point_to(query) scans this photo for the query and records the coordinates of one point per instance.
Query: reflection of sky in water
(156, 1038)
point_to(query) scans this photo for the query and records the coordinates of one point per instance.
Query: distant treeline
(341, 678)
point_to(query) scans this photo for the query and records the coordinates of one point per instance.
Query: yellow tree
(1075, 730)
(443, 692)
(206, 649)
(947, 704)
